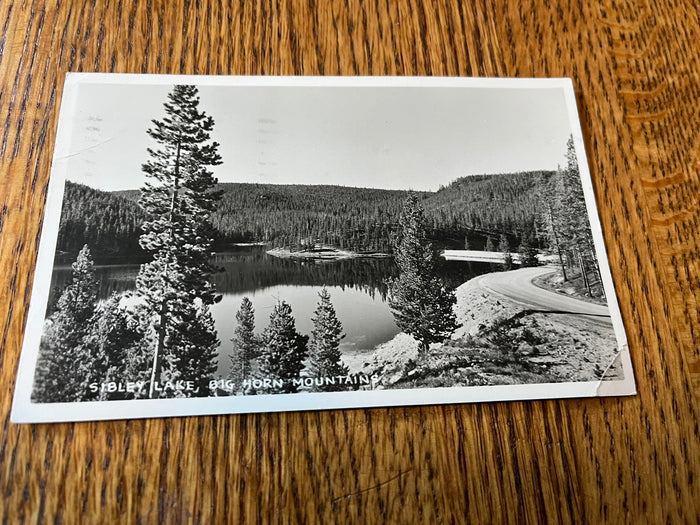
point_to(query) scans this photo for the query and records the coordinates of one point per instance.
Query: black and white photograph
(246, 244)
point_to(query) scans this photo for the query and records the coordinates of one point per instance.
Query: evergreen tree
(62, 362)
(324, 345)
(574, 219)
(549, 224)
(528, 253)
(491, 247)
(572, 216)
(504, 247)
(178, 197)
(566, 223)
(115, 346)
(467, 244)
(195, 342)
(246, 344)
(283, 351)
(421, 305)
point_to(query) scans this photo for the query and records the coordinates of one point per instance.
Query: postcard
(218, 245)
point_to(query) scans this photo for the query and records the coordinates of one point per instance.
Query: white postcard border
(24, 411)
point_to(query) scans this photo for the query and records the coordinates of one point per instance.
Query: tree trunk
(160, 346)
(556, 241)
(584, 276)
(158, 354)
(176, 189)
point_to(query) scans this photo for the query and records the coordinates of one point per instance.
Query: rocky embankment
(502, 340)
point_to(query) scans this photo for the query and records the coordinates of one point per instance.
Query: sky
(416, 138)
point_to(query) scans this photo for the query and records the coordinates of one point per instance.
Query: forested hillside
(490, 204)
(108, 223)
(349, 218)
(359, 219)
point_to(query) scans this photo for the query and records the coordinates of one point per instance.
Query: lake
(357, 287)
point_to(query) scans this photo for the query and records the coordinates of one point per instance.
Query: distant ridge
(349, 218)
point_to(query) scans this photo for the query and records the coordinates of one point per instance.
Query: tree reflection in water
(247, 269)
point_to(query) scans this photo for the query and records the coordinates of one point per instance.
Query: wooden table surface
(635, 67)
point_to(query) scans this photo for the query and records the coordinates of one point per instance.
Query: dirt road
(517, 286)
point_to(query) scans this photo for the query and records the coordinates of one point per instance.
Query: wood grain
(635, 66)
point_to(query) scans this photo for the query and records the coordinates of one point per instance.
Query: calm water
(357, 287)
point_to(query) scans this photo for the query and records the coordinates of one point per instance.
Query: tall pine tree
(566, 224)
(284, 350)
(178, 197)
(246, 345)
(63, 363)
(421, 305)
(490, 244)
(324, 345)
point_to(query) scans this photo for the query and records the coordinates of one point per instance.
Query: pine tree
(421, 305)
(179, 197)
(195, 341)
(504, 247)
(577, 229)
(549, 224)
(283, 351)
(324, 345)
(115, 346)
(572, 214)
(528, 253)
(491, 247)
(62, 362)
(246, 345)
(566, 223)
(490, 244)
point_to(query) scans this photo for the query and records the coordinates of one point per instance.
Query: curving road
(517, 286)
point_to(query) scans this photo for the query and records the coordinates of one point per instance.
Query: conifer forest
(158, 337)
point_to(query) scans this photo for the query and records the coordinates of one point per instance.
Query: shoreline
(531, 346)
